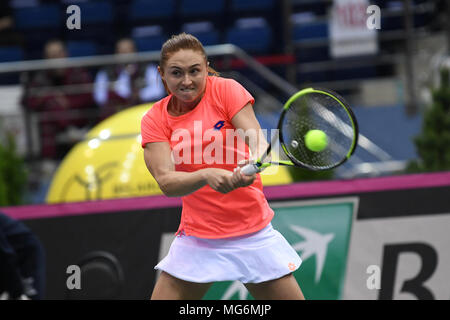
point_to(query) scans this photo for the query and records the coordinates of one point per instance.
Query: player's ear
(160, 71)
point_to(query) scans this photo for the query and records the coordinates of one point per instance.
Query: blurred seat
(311, 38)
(251, 34)
(252, 5)
(23, 3)
(351, 73)
(201, 7)
(148, 38)
(96, 24)
(311, 77)
(313, 53)
(38, 24)
(99, 12)
(393, 18)
(38, 17)
(343, 71)
(203, 31)
(306, 27)
(69, 2)
(320, 8)
(145, 10)
(8, 54)
(81, 48)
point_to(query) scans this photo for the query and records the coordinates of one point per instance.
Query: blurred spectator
(8, 35)
(60, 97)
(126, 85)
(22, 261)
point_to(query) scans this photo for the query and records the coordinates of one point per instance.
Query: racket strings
(322, 112)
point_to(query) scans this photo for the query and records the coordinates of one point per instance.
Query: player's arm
(246, 120)
(157, 156)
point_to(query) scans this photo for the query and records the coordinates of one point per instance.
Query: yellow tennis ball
(316, 140)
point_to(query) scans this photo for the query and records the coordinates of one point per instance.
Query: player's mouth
(187, 90)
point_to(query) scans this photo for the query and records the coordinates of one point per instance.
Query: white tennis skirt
(257, 257)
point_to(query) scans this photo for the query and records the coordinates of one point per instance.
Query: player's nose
(187, 80)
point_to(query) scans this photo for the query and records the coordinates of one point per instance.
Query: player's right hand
(224, 181)
(241, 180)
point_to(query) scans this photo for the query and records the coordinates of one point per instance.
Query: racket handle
(250, 169)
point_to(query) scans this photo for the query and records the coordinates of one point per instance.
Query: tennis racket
(312, 109)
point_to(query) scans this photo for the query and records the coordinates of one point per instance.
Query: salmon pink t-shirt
(204, 138)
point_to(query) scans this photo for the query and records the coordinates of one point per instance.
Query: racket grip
(250, 169)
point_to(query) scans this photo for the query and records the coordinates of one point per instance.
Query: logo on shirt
(219, 125)
(195, 145)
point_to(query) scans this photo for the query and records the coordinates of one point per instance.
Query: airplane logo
(236, 287)
(314, 244)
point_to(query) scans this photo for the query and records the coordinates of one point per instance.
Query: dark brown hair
(182, 41)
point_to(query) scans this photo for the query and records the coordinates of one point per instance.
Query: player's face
(185, 74)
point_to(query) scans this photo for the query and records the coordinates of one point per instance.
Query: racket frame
(259, 165)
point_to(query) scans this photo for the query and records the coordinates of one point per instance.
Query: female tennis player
(225, 233)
